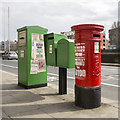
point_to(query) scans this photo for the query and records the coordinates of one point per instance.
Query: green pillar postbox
(32, 68)
(51, 47)
(66, 53)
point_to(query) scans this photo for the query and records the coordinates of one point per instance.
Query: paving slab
(37, 113)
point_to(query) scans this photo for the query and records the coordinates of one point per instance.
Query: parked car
(9, 55)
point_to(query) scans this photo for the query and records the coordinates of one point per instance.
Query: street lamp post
(8, 30)
(4, 32)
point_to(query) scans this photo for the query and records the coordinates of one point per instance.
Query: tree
(115, 25)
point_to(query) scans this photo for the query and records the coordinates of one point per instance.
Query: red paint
(87, 62)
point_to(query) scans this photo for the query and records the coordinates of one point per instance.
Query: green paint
(24, 63)
(66, 53)
(51, 41)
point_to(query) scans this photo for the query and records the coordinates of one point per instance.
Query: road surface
(109, 77)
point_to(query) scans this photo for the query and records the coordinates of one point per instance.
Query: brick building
(104, 42)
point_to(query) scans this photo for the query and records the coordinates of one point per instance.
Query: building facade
(104, 42)
(113, 36)
(70, 34)
(13, 46)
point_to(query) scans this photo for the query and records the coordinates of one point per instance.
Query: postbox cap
(87, 27)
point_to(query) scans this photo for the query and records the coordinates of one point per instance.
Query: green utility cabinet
(32, 68)
(51, 41)
(66, 53)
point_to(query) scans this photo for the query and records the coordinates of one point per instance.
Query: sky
(56, 15)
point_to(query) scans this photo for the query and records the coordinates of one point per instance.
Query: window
(103, 44)
(103, 40)
(12, 53)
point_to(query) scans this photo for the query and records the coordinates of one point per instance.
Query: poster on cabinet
(38, 62)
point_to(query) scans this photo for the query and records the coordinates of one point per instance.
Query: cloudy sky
(56, 15)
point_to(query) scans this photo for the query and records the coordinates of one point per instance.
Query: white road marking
(112, 68)
(109, 77)
(109, 84)
(52, 80)
(17, 67)
(10, 60)
(56, 75)
(9, 66)
(9, 73)
(52, 74)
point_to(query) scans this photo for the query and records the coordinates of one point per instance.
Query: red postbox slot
(96, 35)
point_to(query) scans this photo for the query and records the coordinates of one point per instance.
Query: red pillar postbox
(88, 65)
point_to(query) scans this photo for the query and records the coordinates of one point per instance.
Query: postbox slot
(96, 35)
(22, 38)
(50, 38)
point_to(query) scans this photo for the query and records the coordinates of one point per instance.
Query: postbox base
(88, 97)
(32, 86)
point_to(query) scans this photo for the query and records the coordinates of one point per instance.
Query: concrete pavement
(45, 102)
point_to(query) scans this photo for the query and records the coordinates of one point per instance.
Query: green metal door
(51, 53)
(63, 53)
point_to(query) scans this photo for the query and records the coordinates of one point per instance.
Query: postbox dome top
(88, 27)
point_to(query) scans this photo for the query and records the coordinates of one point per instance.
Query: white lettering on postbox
(80, 60)
(80, 73)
